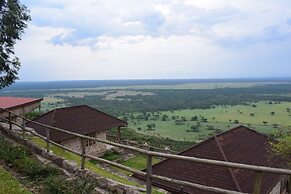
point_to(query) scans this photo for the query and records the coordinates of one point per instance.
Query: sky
(155, 39)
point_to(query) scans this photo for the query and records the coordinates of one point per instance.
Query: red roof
(240, 145)
(79, 119)
(13, 102)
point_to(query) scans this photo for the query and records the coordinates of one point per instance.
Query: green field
(9, 184)
(220, 117)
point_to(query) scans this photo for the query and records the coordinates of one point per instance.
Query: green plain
(221, 117)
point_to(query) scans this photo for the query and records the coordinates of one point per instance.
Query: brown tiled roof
(79, 119)
(240, 145)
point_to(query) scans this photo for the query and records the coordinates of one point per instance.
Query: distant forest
(171, 99)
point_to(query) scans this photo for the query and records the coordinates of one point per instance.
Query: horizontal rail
(172, 156)
(132, 170)
(152, 153)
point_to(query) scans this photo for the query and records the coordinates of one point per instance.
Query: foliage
(33, 169)
(130, 134)
(283, 146)
(9, 183)
(32, 115)
(57, 185)
(13, 20)
(10, 154)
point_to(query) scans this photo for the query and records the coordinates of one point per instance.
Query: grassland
(9, 184)
(258, 116)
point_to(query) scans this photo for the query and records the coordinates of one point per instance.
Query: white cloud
(108, 39)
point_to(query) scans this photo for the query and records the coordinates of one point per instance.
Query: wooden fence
(148, 174)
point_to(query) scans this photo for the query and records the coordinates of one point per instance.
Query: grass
(89, 165)
(137, 162)
(9, 184)
(221, 117)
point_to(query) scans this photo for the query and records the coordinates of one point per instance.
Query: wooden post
(83, 147)
(23, 130)
(47, 139)
(149, 174)
(257, 183)
(289, 185)
(118, 134)
(10, 121)
(182, 189)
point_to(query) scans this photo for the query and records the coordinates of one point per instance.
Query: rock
(70, 166)
(102, 183)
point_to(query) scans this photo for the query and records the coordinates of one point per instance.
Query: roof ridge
(225, 159)
(84, 105)
(105, 113)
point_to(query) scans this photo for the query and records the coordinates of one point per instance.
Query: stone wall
(97, 149)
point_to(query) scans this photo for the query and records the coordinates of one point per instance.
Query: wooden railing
(148, 174)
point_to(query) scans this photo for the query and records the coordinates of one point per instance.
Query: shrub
(10, 153)
(33, 169)
(57, 185)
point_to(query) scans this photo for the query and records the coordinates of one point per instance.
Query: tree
(288, 110)
(283, 145)
(13, 20)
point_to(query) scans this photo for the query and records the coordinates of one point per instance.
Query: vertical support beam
(257, 183)
(83, 147)
(118, 134)
(10, 121)
(47, 139)
(149, 174)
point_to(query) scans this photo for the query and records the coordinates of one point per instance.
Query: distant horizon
(133, 79)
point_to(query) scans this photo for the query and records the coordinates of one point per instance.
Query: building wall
(282, 186)
(97, 149)
(21, 111)
(276, 189)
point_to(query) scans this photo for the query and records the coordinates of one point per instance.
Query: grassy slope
(9, 184)
(89, 165)
(222, 116)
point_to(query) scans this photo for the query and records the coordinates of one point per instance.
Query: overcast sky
(129, 39)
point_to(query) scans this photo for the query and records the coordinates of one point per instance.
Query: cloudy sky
(147, 39)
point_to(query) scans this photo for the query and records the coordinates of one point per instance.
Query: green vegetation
(154, 141)
(91, 166)
(9, 184)
(198, 124)
(283, 146)
(139, 162)
(47, 179)
(13, 21)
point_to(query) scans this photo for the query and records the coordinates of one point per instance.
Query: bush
(10, 153)
(33, 169)
(57, 185)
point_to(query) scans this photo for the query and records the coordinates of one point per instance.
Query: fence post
(23, 130)
(257, 183)
(149, 174)
(10, 121)
(47, 139)
(83, 147)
